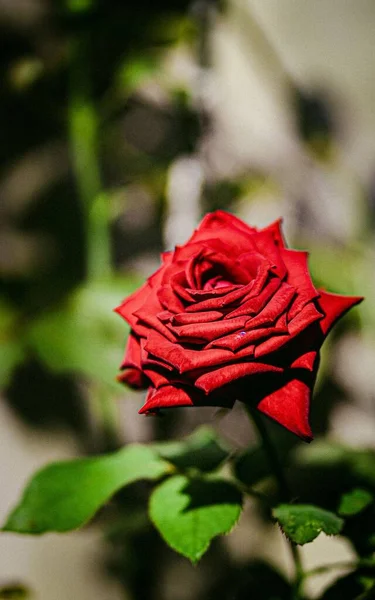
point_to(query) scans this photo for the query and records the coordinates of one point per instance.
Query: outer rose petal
(171, 396)
(147, 315)
(132, 303)
(275, 229)
(169, 300)
(290, 406)
(221, 218)
(132, 356)
(334, 306)
(219, 377)
(299, 277)
(227, 228)
(265, 244)
(131, 365)
(133, 378)
(308, 315)
(309, 361)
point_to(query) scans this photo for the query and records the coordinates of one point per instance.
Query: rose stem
(83, 132)
(284, 491)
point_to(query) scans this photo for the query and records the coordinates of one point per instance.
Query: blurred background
(121, 125)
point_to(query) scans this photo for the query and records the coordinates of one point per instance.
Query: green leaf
(202, 450)
(84, 335)
(189, 513)
(302, 523)
(65, 495)
(355, 501)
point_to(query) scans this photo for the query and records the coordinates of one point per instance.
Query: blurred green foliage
(91, 121)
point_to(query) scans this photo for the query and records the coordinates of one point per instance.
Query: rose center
(216, 282)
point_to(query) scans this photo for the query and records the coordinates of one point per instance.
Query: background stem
(284, 492)
(84, 132)
(84, 127)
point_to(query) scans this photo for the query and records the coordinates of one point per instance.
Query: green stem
(105, 413)
(284, 492)
(84, 133)
(84, 146)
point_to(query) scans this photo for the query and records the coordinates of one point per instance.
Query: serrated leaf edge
(199, 555)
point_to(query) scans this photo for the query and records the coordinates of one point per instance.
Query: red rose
(231, 314)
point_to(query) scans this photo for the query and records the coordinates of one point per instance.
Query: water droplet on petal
(241, 334)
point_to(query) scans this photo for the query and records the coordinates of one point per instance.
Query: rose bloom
(232, 314)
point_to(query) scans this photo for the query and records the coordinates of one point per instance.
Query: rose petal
(167, 257)
(179, 284)
(208, 265)
(255, 304)
(237, 340)
(165, 316)
(171, 396)
(308, 361)
(193, 268)
(167, 397)
(147, 314)
(159, 377)
(156, 278)
(334, 306)
(134, 378)
(252, 262)
(184, 360)
(265, 244)
(210, 245)
(207, 332)
(226, 227)
(271, 345)
(132, 356)
(276, 230)
(196, 317)
(131, 365)
(148, 361)
(289, 405)
(274, 308)
(222, 376)
(299, 277)
(239, 240)
(223, 301)
(308, 315)
(169, 300)
(132, 303)
(207, 293)
(260, 280)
